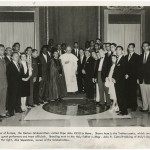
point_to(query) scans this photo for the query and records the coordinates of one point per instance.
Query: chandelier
(125, 8)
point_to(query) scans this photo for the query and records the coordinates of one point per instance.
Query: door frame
(35, 10)
(140, 12)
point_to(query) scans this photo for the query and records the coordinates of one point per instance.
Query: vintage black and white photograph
(75, 66)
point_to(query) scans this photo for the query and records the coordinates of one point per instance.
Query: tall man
(75, 50)
(44, 60)
(144, 76)
(8, 53)
(88, 70)
(3, 83)
(14, 76)
(102, 73)
(80, 76)
(119, 80)
(132, 64)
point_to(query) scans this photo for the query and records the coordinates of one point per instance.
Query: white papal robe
(70, 71)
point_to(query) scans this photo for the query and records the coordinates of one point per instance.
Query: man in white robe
(69, 62)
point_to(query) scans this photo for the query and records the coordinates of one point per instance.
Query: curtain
(70, 24)
(22, 32)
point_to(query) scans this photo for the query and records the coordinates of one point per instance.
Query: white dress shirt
(119, 58)
(16, 64)
(24, 64)
(9, 57)
(130, 55)
(147, 53)
(101, 64)
(76, 51)
(45, 57)
(81, 58)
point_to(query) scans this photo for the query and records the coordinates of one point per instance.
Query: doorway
(124, 28)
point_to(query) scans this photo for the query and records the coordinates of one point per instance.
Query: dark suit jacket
(7, 61)
(80, 65)
(3, 77)
(119, 71)
(44, 65)
(105, 69)
(14, 77)
(36, 66)
(132, 67)
(88, 67)
(144, 70)
(73, 52)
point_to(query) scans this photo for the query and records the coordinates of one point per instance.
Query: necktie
(129, 57)
(144, 60)
(18, 66)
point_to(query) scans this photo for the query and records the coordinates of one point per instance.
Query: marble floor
(74, 112)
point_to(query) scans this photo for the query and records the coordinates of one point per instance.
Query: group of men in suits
(129, 71)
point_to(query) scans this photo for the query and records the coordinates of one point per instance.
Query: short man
(132, 64)
(3, 83)
(108, 50)
(80, 76)
(75, 50)
(88, 70)
(102, 73)
(144, 76)
(69, 62)
(119, 80)
(14, 76)
(8, 53)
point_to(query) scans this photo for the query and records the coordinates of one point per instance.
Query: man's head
(81, 52)
(23, 57)
(28, 51)
(113, 47)
(113, 59)
(76, 45)
(2, 50)
(94, 55)
(131, 47)
(146, 46)
(15, 56)
(107, 45)
(55, 54)
(87, 44)
(16, 47)
(119, 50)
(63, 46)
(92, 43)
(87, 53)
(68, 49)
(34, 53)
(96, 46)
(98, 40)
(101, 53)
(51, 42)
(44, 49)
(8, 51)
(58, 46)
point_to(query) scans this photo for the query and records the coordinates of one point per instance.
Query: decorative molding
(125, 8)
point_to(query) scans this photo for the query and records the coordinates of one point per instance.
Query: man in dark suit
(88, 73)
(144, 76)
(3, 83)
(132, 64)
(80, 76)
(44, 60)
(75, 50)
(14, 76)
(8, 53)
(119, 80)
(102, 69)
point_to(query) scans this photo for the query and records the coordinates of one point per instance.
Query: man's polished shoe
(144, 110)
(122, 113)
